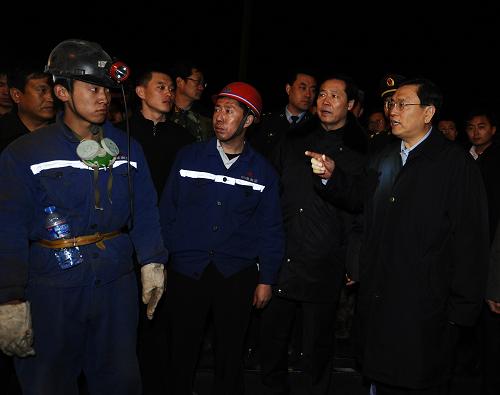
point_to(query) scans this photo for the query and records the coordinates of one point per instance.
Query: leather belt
(97, 239)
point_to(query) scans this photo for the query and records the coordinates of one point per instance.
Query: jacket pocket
(65, 187)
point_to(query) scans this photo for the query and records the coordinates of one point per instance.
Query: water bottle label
(68, 257)
(59, 231)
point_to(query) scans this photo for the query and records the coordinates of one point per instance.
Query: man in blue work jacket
(221, 220)
(61, 321)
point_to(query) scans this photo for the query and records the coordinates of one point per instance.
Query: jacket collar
(210, 149)
(432, 146)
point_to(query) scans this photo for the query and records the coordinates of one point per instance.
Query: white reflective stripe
(57, 164)
(124, 162)
(218, 178)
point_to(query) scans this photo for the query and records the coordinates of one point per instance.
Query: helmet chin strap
(239, 131)
(95, 128)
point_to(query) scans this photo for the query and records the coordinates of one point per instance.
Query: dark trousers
(91, 329)
(490, 352)
(318, 329)
(8, 379)
(189, 303)
(152, 351)
(383, 389)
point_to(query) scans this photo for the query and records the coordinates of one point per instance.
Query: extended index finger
(313, 154)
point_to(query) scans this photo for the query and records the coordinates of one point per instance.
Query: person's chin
(220, 136)
(99, 120)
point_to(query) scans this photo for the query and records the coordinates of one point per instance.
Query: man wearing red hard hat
(221, 219)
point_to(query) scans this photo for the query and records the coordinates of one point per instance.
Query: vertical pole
(245, 38)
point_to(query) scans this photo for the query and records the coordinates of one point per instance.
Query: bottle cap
(87, 149)
(50, 209)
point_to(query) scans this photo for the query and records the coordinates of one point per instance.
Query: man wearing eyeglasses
(188, 112)
(423, 265)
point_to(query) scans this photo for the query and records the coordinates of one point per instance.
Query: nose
(326, 100)
(49, 97)
(104, 96)
(218, 116)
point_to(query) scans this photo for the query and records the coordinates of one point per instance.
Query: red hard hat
(244, 93)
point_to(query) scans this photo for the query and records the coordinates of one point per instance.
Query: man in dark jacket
(318, 233)
(481, 127)
(188, 113)
(31, 92)
(159, 137)
(300, 88)
(425, 256)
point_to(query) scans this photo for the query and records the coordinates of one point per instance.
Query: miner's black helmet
(85, 61)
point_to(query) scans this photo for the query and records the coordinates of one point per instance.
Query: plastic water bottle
(58, 228)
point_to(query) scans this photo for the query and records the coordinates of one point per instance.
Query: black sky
(456, 47)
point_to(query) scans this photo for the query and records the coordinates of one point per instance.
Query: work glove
(16, 333)
(153, 285)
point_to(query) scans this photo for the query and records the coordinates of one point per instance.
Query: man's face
(158, 94)
(89, 101)
(377, 122)
(226, 119)
(37, 101)
(480, 131)
(5, 99)
(332, 104)
(408, 122)
(192, 86)
(386, 99)
(448, 129)
(301, 93)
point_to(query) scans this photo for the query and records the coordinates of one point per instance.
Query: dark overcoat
(424, 262)
(318, 226)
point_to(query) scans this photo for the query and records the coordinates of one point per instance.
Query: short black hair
(145, 75)
(183, 69)
(483, 111)
(351, 88)
(294, 72)
(427, 91)
(19, 77)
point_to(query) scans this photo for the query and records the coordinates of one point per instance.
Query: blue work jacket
(230, 217)
(43, 169)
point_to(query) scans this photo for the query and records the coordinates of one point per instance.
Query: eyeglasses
(197, 82)
(400, 105)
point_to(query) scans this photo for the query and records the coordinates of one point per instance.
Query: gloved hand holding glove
(153, 284)
(16, 333)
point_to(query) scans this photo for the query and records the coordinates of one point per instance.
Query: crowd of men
(260, 229)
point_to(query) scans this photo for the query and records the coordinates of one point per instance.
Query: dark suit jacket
(265, 136)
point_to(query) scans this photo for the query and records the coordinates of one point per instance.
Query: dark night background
(455, 47)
